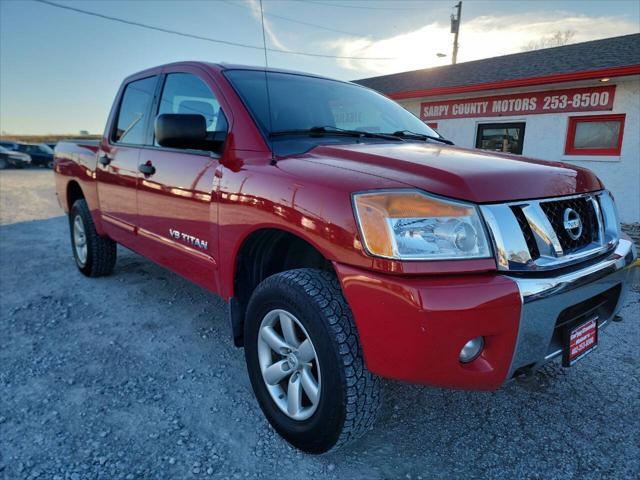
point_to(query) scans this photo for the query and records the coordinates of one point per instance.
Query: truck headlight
(411, 225)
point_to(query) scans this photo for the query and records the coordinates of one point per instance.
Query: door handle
(104, 160)
(147, 168)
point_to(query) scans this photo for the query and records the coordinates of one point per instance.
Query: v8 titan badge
(579, 341)
(189, 239)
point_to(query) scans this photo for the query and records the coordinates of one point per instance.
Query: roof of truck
(228, 66)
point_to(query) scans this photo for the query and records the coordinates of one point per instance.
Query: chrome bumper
(544, 299)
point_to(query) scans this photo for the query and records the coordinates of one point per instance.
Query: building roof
(608, 57)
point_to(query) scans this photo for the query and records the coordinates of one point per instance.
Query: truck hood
(465, 174)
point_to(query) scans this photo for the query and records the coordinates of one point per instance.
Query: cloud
(274, 41)
(480, 37)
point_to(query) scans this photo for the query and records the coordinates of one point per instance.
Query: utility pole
(455, 28)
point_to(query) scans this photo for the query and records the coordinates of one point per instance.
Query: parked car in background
(9, 145)
(52, 146)
(41, 154)
(11, 158)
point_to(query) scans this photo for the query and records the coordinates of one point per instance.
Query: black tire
(101, 252)
(350, 396)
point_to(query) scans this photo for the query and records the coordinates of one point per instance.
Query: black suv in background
(41, 154)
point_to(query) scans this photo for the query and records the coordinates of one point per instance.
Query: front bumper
(412, 328)
(548, 303)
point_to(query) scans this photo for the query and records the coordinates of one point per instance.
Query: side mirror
(178, 130)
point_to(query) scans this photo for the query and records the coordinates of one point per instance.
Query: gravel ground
(633, 230)
(27, 195)
(135, 376)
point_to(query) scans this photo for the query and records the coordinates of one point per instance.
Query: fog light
(471, 349)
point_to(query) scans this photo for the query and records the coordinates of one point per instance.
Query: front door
(117, 169)
(177, 214)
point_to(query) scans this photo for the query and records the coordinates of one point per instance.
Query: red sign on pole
(586, 99)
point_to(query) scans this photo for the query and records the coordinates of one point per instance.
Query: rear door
(176, 204)
(117, 170)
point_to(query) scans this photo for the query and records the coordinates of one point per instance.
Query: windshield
(300, 102)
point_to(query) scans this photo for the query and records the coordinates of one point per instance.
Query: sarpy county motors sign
(551, 101)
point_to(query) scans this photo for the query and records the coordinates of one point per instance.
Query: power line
(293, 20)
(361, 7)
(200, 37)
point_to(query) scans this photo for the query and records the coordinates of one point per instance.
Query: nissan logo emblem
(572, 223)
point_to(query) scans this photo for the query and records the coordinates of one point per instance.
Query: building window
(595, 135)
(501, 137)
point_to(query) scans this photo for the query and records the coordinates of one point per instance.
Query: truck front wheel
(95, 256)
(305, 361)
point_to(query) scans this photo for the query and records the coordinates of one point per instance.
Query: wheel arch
(73, 193)
(262, 253)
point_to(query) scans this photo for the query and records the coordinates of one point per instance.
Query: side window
(186, 93)
(134, 108)
(501, 137)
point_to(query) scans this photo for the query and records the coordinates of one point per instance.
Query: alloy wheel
(289, 364)
(80, 240)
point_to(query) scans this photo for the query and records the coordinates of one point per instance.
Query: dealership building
(577, 103)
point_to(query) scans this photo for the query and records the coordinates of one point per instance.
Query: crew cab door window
(184, 93)
(134, 110)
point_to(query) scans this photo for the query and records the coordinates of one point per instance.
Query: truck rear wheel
(305, 361)
(95, 256)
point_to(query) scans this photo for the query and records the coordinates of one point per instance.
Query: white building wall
(545, 137)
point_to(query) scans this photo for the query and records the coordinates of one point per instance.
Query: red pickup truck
(351, 241)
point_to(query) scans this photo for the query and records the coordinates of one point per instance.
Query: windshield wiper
(330, 130)
(420, 136)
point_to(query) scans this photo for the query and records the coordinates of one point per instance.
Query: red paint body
(413, 328)
(434, 307)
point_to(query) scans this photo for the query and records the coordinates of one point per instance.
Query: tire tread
(102, 255)
(363, 389)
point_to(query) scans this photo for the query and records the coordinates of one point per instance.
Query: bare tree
(556, 39)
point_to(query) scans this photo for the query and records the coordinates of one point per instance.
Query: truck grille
(526, 231)
(538, 235)
(554, 211)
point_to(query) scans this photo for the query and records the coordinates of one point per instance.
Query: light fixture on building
(606, 79)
